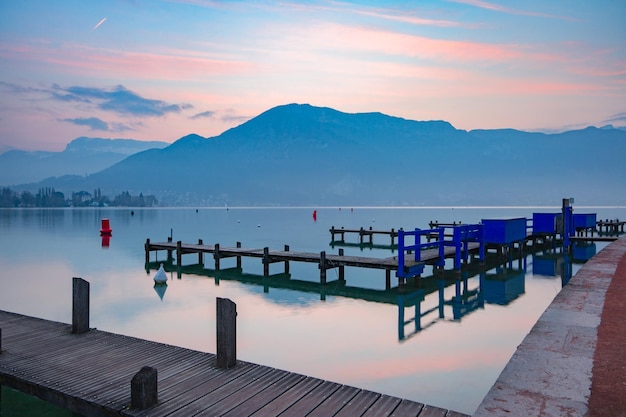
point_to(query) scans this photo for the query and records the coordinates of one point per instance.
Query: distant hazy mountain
(305, 155)
(82, 156)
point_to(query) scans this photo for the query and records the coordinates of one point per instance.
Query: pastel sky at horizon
(159, 70)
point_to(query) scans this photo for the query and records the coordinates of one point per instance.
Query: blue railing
(410, 255)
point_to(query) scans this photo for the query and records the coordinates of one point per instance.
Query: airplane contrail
(98, 25)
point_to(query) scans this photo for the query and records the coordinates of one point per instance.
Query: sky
(159, 70)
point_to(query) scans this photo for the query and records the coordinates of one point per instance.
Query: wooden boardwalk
(90, 374)
(324, 261)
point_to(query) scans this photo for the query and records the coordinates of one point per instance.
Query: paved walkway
(573, 361)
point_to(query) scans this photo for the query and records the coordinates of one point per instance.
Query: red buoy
(106, 227)
(314, 215)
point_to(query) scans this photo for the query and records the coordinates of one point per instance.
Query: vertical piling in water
(342, 276)
(266, 261)
(80, 306)
(143, 389)
(286, 262)
(200, 254)
(179, 253)
(323, 267)
(226, 328)
(147, 247)
(238, 256)
(216, 256)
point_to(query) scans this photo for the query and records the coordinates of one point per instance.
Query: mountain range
(301, 155)
(82, 156)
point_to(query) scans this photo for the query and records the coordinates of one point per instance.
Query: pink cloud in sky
(80, 59)
(499, 8)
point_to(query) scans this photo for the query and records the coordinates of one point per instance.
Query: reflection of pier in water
(499, 281)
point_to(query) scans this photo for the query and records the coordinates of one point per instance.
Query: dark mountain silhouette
(305, 155)
(81, 156)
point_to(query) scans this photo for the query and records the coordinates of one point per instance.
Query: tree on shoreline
(49, 197)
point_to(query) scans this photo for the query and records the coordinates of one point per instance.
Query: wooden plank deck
(332, 261)
(90, 373)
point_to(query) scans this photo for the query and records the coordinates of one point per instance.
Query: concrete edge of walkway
(550, 373)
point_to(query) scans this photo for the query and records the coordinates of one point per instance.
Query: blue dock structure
(464, 239)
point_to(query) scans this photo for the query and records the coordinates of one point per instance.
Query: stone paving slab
(550, 374)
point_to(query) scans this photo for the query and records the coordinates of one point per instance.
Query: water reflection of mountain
(501, 280)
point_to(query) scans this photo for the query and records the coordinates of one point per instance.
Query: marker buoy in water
(314, 215)
(160, 277)
(105, 229)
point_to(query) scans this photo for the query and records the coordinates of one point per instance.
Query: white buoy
(160, 277)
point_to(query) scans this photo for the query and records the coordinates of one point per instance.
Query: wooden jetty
(611, 226)
(430, 255)
(97, 373)
(366, 236)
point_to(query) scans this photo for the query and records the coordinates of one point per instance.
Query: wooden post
(200, 254)
(286, 262)
(216, 256)
(387, 279)
(143, 389)
(238, 256)
(266, 261)
(393, 236)
(323, 267)
(226, 333)
(147, 246)
(80, 306)
(179, 254)
(341, 268)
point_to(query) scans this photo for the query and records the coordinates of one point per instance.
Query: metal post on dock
(80, 306)
(143, 389)
(226, 328)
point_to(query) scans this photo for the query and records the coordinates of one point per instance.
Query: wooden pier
(366, 236)
(94, 373)
(611, 226)
(322, 259)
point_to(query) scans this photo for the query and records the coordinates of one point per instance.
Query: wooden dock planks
(272, 256)
(90, 373)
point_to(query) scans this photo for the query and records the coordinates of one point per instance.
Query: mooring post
(286, 261)
(200, 254)
(143, 389)
(226, 333)
(266, 261)
(341, 268)
(147, 246)
(323, 267)
(216, 256)
(239, 256)
(80, 306)
(179, 253)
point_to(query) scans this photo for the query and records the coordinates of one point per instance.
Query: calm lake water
(449, 357)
